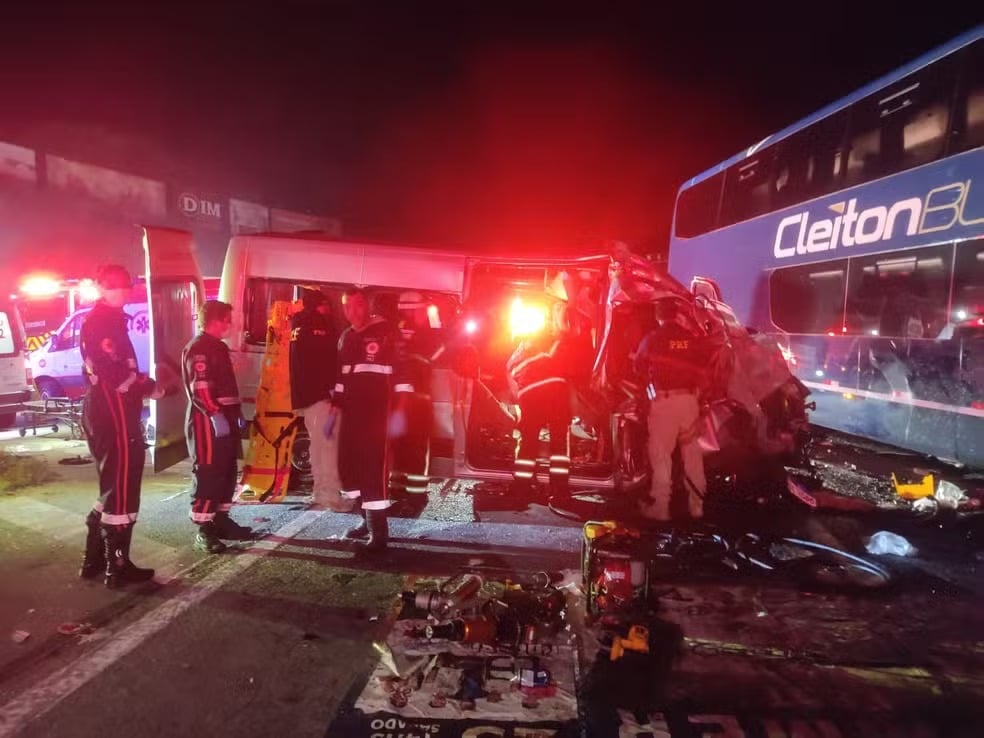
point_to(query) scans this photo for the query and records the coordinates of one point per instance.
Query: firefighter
(369, 378)
(212, 427)
(421, 347)
(313, 359)
(115, 391)
(671, 360)
(538, 371)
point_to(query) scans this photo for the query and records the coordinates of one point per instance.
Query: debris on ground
(886, 542)
(914, 491)
(949, 495)
(75, 628)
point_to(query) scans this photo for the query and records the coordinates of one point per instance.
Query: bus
(855, 237)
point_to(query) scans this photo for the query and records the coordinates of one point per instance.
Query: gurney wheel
(22, 431)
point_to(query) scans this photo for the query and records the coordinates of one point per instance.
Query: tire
(300, 462)
(49, 389)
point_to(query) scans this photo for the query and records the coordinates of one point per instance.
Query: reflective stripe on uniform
(534, 385)
(351, 494)
(125, 519)
(372, 369)
(526, 362)
(202, 517)
(377, 504)
(403, 388)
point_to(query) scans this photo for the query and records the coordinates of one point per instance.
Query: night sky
(475, 124)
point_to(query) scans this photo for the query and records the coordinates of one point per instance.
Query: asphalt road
(273, 637)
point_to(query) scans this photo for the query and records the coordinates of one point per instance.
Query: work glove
(397, 424)
(220, 425)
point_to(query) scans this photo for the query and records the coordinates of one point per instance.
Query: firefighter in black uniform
(421, 347)
(111, 418)
(672, 361)
(212, 428)
(538, 371)
(368, 378)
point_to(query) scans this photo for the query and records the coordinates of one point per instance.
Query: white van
(471, 434)
(13, 379)
(56, 367)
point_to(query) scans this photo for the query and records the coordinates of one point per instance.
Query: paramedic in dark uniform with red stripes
(367, 382)
(212, 428)
(111, 419)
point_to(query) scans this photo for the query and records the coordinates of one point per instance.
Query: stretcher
(52, 412)
(267, 465)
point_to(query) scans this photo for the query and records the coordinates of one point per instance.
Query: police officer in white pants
(313, 348)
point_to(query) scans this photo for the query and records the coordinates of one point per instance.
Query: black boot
(120, 570)
(207, 540)
(229, 529)
(378, 523)
(94, 558)
(361, 530)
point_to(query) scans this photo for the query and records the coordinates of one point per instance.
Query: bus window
(970, 123)
(900, 295)
(903, 126)
(697, 207)
(809, 298)
(810, 162)
(967, 303)
(747, 186)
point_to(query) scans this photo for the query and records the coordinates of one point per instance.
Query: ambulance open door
(174, 293)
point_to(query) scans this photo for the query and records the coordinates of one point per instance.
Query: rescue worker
(212, 428)
(421, 347)
(111, 410)
(671, 361)
(313, 359)
(368, 377)
(538, 372)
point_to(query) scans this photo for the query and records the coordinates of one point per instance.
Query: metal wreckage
(754, 410)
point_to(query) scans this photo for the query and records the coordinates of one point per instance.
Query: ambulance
(56, 367)
(13, 380)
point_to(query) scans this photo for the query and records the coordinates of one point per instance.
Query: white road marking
(42, 697)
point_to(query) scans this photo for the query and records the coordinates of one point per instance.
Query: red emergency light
(526, 319)
(40, 285)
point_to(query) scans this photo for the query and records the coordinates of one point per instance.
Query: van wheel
(301, 477)
(49, 389)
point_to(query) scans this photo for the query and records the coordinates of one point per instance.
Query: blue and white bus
(856, 237)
